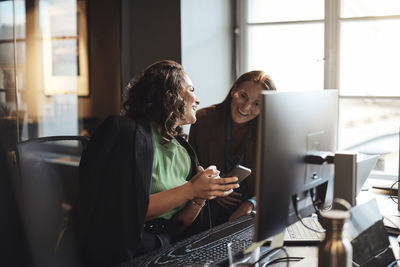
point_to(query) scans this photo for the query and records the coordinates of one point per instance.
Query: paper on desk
(368, 236)
(363, 217)
(307, 262)
(392, 221)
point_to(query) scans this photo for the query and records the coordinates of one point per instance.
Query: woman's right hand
(207, 184)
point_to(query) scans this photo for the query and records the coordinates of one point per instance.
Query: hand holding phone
(239, 171)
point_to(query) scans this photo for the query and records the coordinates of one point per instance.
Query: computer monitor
(292, 126)
(365, 164)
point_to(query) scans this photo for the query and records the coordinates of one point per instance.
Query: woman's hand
(244, 209)
(207, 184)
(230, 200)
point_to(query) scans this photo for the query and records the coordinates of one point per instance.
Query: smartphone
(239, 171)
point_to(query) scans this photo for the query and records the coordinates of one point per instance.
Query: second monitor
(292, 126)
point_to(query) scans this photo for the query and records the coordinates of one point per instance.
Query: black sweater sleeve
(115, 176)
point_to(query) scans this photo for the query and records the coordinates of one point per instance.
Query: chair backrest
(47, 187)
(13, 246)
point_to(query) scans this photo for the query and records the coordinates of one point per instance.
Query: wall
(150, 32)
(196, 33)
(208, 47)
(104, 60)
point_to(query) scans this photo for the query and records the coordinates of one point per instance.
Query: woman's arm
(245, 208)
(189, 213)
(206, 184)
(162, 202)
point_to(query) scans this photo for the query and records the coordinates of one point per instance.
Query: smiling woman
(245, 103)
(224, 135)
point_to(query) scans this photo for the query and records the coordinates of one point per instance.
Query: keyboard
(298, 233)
(210, 247)
(207, 247)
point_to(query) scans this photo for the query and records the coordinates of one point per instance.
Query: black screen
(292, 125)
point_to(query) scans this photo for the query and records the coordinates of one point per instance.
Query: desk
(310, 253)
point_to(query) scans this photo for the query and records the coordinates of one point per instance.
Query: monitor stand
(252, 253)
(277, 240)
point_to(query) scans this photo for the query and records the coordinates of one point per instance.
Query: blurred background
(64, 63)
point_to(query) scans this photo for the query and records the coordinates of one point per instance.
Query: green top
(171, 166)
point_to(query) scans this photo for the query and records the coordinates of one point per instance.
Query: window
(43, 67)
(350, 45)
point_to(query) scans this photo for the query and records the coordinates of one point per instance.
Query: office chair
(13, 246)
(47, 184)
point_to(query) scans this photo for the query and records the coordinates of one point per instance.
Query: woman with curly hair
(141, 184)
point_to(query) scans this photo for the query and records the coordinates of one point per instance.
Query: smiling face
(245, 103)
(191, 100)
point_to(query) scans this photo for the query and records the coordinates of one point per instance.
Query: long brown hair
(256, 76)
(156, 95)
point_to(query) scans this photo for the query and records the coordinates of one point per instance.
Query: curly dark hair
(156, 95)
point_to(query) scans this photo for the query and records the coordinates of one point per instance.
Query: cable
(392, 190)
(274, 260)
(316, 202)
(294, 202)
(209, 214)
(267, 254)
(283, 259)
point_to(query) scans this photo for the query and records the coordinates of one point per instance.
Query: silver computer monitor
(365, 164)
(291, 126)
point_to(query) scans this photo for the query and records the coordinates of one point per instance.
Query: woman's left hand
(243, 209)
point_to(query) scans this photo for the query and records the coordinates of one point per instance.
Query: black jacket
(115, 180)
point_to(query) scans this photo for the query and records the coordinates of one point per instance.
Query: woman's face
(192, 102)
(246, 100)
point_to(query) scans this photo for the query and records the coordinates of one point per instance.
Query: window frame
(331, 22)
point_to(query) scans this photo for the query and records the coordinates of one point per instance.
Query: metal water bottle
(335, 250)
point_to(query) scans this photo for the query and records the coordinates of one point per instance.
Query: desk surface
(310, 253)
